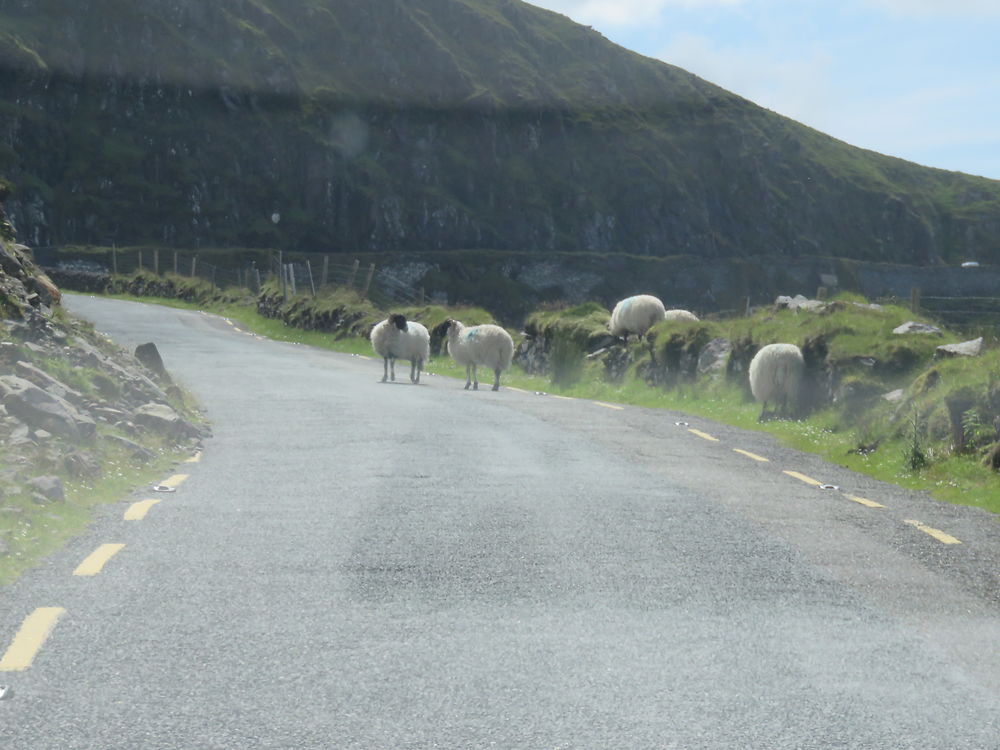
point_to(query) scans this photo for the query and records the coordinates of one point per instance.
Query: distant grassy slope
(439, 124)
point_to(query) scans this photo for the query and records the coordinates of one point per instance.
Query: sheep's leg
(392, 368)
(496, 379)
(475, 377)
(468, 376)
(415, 370)
(385, 369)
(763, 411)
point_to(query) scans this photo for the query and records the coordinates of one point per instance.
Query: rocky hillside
(74, 407)
(418, 125)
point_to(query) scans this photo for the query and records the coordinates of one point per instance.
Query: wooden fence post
(284, 276)
(312, 285)
(175, 263)
(915, 300)
(368, 281)
(326, 270)
(156, 261)
(194, 265)
(114, 260)
(140, 260)
(354, 271)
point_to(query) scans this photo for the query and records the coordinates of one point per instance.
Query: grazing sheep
(636, 315)
(680, 315)
(776, 377)
(487, 345)
(395, 337)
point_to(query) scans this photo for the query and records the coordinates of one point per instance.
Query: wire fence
(297, 274)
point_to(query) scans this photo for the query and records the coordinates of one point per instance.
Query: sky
(917, 79)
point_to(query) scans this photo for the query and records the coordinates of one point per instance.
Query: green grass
(33, 531)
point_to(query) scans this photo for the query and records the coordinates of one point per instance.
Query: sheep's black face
(399, 321)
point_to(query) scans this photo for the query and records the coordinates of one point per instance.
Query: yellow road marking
(754, 456)
(137, 511)
(564, 398)
(864, 501)
(512, 388)
(196, 458)
(936, 533)
(29, 639)
(364, 357)
(703, 435)
(96, 560)
(609, 406)
(175, 481)
(804, 478)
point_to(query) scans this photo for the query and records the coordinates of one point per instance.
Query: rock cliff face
(419, 125)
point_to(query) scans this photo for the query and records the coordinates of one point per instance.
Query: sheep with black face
(398, 338)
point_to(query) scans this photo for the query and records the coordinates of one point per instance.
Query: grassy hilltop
(419, 126)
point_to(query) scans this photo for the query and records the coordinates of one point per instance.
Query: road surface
(353, 564)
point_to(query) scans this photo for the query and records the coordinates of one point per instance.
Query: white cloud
(625, 12)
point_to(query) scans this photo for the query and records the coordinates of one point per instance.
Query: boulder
(48, 383)
(798, 302)
(912, 326)
(149, 356)
(82, 465)
(712, 358)
(41, 410)
(163, 419)
(971, 348)
(49, 487)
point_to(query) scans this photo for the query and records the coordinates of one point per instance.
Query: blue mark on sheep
(470, 334)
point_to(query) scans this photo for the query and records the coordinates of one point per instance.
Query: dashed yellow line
(803, 478)
(137, 511)
(754, 456)
(864, 501)
(96, 560)
(936, 533)
(175, 481)
(512, 388)
(703, 435)
(563, 398)
(35, 629)
(610, 406)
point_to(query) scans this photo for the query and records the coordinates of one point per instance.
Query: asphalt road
(359, 565)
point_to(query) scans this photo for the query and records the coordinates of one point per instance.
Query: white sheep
(487, 345)
(776, 376)
(683, 316)
(636, 315)
(395, 337)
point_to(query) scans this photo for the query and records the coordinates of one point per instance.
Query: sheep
(487, 345)
(636, 315)
(776, 373)
(396, 337)
(682, 316)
